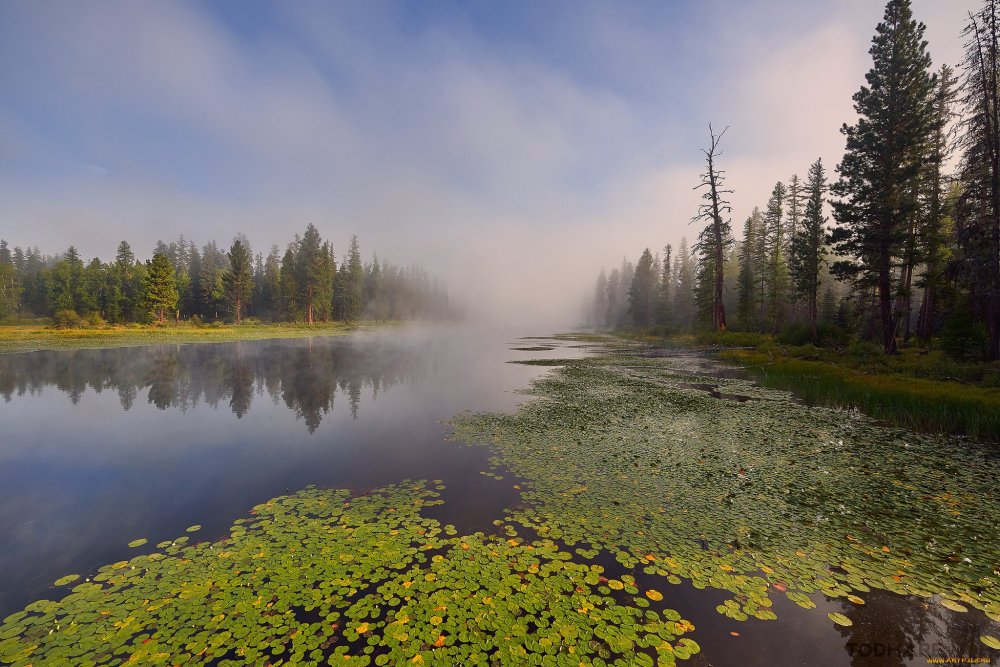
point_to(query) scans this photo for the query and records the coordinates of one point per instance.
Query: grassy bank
(915, 390)
(26, 338)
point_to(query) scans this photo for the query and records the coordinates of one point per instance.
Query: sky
(512, 148)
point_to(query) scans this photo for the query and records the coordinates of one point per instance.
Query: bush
(962, 337)
(196, 321)
(66, 319)
(94, 319)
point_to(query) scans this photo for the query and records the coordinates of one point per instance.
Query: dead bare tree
(716, 237)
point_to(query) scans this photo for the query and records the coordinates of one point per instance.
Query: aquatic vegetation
(321, 576)
(618, 457)
(923, 403)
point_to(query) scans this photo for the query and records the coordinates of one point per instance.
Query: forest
(901, 245)
(181, 281)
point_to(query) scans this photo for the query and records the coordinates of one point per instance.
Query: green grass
(890, 390)
(27, 338)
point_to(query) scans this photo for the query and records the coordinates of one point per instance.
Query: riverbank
(918, 388)
(28, 338)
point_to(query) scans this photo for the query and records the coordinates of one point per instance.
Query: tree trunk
(885, 303)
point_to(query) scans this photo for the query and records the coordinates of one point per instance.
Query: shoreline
(19, 339)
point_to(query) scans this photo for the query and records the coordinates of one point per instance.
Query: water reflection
(100, 447)
(305, 376)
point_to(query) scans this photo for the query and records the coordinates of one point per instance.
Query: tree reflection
(305, 375)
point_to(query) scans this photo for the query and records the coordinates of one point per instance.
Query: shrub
(65, 319)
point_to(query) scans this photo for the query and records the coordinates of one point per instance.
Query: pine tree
(776, 271)
(685, 282)
(354, 293)
(807, 252)
(934, 231)
(311, 274)
(664, 307)
(160, 286)
(747, 285)
(599, 309)
(977, 219)
(238, 279)
(289, 306)
(642, 291)
(882, 161)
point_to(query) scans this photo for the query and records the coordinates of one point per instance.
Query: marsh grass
(30, 337)
(892, 392)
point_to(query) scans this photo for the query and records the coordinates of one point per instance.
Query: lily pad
(840, 619)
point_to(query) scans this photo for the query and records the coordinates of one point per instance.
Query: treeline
(182, 281)
(913, 252)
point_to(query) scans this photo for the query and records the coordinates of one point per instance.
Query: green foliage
(323, 576)
(642, 292)
(160, 286)
(881, 169)
(628, 453)
(238, 278)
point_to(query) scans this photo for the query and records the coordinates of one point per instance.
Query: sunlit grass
(25, 338)
(938, 405)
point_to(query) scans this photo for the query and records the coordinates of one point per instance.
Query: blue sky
(505, 145)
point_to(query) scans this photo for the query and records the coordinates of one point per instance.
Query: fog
(510, 149)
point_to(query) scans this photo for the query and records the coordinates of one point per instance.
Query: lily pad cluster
(625, 455)
(323, 577)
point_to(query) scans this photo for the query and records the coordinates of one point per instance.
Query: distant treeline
(916, 249)
(181, 281)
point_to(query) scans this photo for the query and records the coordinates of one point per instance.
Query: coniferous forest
(181, 281)
(900, 244)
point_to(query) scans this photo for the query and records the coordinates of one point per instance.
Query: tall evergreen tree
(748, 303)
(664, 307)
(355, 282)
(776, 272)
(883, 160)
(642, 291)
(977, 219)
(807, 252)
(160, 286)
(238, 279)
(311, 273)
(934, 231)
(289, 284)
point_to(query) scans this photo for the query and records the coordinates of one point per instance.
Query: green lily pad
(137, 543)
(840, 619)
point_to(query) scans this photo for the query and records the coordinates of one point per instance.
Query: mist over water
(105, 446)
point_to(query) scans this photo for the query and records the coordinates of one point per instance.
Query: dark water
(100, 447)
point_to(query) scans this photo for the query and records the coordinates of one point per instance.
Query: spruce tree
(160, 286)
(238, 279)
(977, 219)
(354, 293)
(776, 271)
(807, 253)
(642, 291)
(882, 161)
(747, 284)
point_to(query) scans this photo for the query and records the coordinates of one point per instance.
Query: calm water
(100, 447)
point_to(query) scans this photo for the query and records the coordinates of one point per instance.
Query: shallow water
(104, 446)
